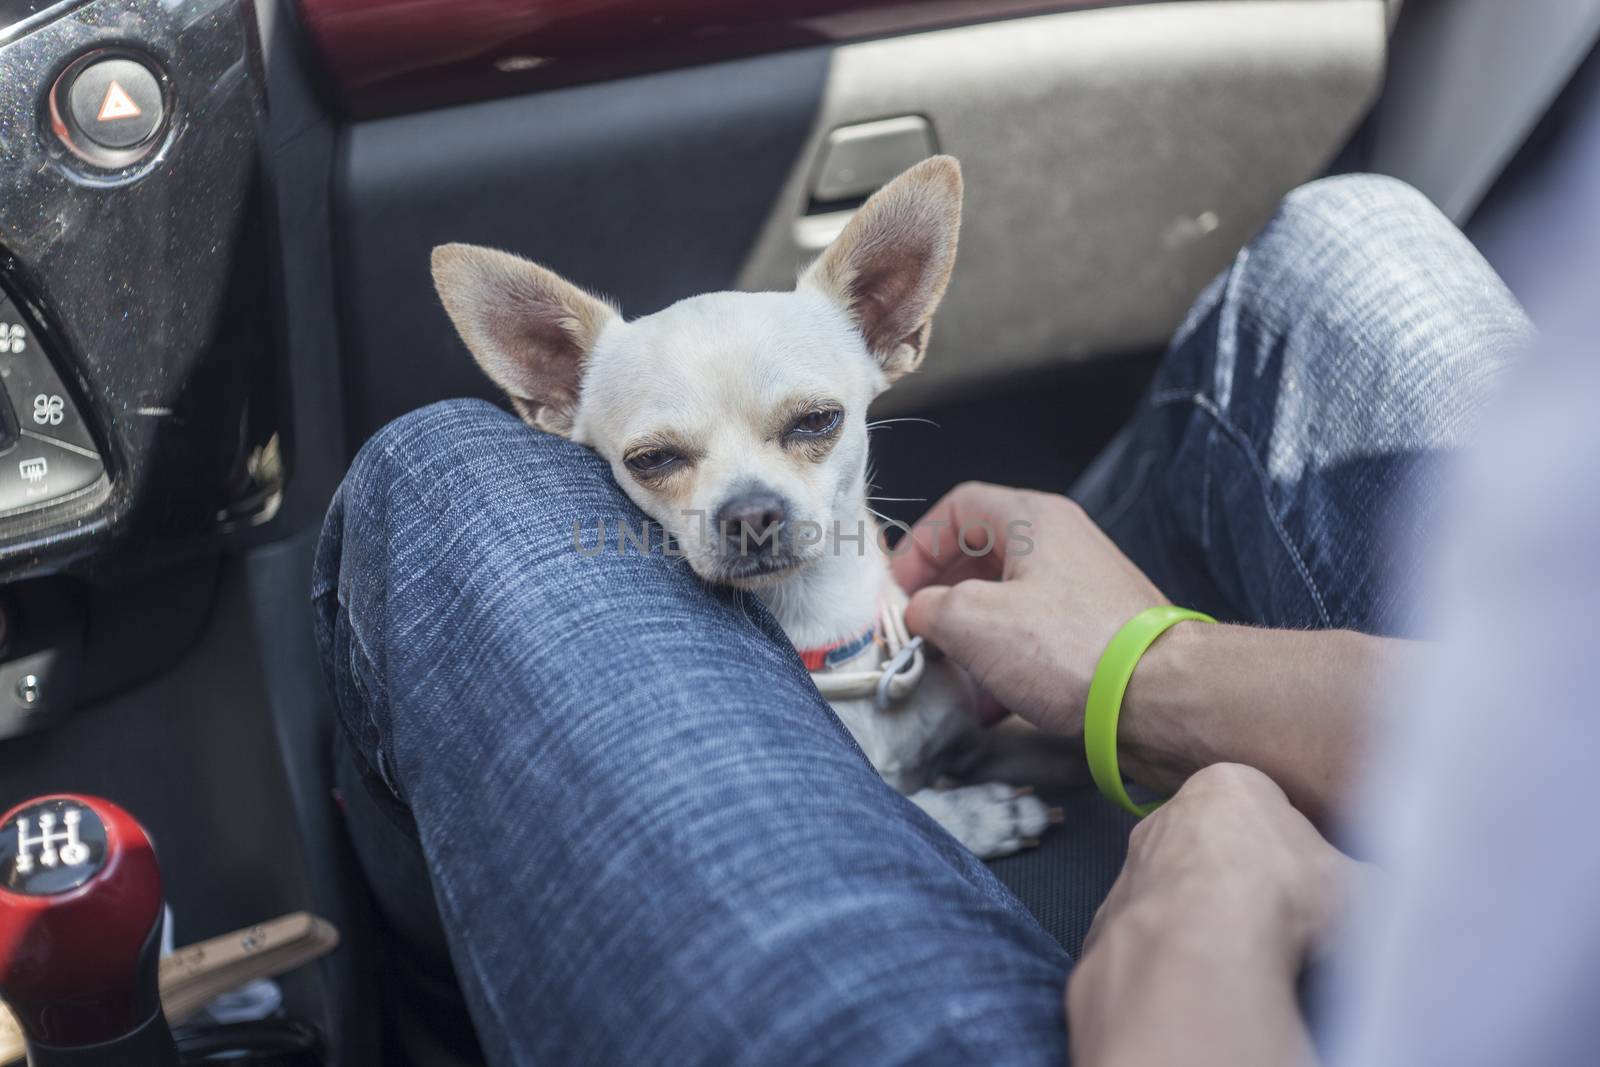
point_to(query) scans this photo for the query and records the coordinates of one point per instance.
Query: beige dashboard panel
(1115, 159)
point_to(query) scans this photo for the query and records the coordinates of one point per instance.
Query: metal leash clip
(899, 663)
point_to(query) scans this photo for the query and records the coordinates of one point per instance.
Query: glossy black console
(50, 461)
(16, 16)
(142, 389)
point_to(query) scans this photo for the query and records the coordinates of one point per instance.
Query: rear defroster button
(38, 471)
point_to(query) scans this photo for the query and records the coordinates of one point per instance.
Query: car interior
(215, 226)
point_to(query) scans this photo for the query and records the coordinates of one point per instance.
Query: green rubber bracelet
(1104, 706)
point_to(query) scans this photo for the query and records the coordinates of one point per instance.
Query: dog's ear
(529, 329)
(889, 267)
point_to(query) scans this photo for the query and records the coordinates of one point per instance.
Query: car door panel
(1114, 160)
(646, 190)
(1115, 157)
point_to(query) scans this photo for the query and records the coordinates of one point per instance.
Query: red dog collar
(828, 656)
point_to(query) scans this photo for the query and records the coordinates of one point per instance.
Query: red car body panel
(388, 56)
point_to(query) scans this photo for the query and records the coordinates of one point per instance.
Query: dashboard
(143, 426)
(135, 332)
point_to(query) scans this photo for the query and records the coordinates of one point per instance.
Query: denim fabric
(649, 838)
(1297, 426)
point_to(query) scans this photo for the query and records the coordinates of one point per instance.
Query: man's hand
(1030, 618)
(1230, 846)
(1193, 956)
(1030, 615)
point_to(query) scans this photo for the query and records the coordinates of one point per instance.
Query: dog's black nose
(750, 522)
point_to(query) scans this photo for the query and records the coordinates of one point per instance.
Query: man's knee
(1363, 317)
(434, 432)
(1342, 261)
(1346, 204)
(459, 446)
(414, 486)
(448, 458)
(1339, 242)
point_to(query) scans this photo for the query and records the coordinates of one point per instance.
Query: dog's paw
(991, 820)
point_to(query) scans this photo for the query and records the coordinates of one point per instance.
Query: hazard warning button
(116, 103)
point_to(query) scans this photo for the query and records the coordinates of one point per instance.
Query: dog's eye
(817, 423)
(652, 461)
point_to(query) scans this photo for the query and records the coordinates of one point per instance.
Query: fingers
(974, 516)
(952, 568)
(956, 619)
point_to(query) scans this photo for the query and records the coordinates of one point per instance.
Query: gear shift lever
(80, 934)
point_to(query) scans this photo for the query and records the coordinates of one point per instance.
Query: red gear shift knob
(80, 933)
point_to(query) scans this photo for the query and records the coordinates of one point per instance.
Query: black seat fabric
(1064, 880)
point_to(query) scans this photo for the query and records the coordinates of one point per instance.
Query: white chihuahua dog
(737, 421)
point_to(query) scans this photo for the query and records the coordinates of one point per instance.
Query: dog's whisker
(901, 499)
(879, 423)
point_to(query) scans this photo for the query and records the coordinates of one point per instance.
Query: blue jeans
(649, 838)
(1296, 429)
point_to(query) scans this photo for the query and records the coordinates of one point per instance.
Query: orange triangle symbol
(118, 105)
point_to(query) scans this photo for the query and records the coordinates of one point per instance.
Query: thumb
(956, 619)
(925, 611)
